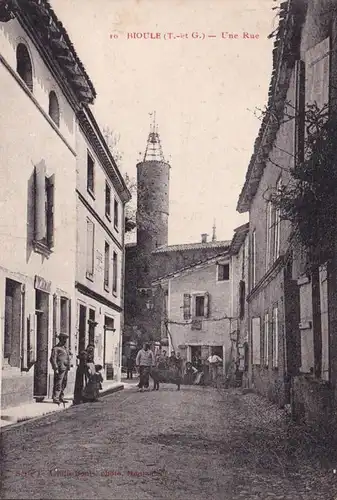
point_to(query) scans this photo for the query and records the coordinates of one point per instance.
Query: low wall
(313, 402)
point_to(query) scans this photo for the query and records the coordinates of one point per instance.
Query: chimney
(204, 238)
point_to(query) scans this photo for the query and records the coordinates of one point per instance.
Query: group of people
(88, 380)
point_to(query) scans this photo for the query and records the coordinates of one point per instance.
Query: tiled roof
(51, 35)
(192, 246)
(190, 267)
(270, 122)
(239, 237)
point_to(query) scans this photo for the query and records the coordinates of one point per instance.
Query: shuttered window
(106, 265)
(187, 306)
(275, 337)
(90, 248)
(256, 341)
(44, 189)
(266, 340)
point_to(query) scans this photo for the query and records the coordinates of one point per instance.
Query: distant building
(199, 307)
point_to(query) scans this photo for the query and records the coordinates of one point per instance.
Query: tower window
(24, 65)
(54, 109)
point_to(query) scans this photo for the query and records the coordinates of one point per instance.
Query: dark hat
(63, 335)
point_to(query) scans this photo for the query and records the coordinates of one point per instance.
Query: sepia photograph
(168, 249)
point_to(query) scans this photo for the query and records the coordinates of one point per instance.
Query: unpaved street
(194, 444)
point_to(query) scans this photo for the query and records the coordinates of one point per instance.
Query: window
(242, 295)
(300, 112)
(116, 214)
(275, 337)
(106, 265)
(266, 340)
(92, 325)
(276, 252)
(90, 174)
(253, 259)
(199, 306)
(24, 65)
(115, 273)
(256, 341)
(107, 200)
(44, 188)
(90, 248)
(270, 230)
(223, 272)
(54, 109)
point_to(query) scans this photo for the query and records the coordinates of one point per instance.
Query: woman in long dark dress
(81, 377)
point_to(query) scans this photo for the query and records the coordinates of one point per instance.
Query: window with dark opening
(115, 269)
(107, 200)
(90, 174)
(24, 65)
(106, 265)
(199, 306)
(92, 326)
(223, 272)
(54, 109)
(116, 214)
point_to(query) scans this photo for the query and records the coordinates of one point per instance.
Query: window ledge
(42, 248)
(89, 276)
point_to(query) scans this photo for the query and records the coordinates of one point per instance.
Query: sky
(205, 91)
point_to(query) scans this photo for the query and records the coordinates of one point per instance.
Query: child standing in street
(91, 390)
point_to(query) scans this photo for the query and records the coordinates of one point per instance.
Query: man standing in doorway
(144, 360)
(60, 361)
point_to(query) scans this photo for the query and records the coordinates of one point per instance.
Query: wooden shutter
(275, 337)
(206, 305)
(69, 325)
(299, 111)
(317, 74)
(90, 247)
(256, 341)
(187, 306)
(31, 344)
(50, 190)
(40, 201)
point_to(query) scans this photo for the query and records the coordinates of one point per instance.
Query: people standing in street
(81, 377)
(130, 364)
(90, 353)
(60, 361)
(94, 384)
(144, 361)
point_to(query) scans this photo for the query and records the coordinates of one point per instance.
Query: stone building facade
(291, 300)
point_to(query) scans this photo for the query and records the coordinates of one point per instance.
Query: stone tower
(153, 175)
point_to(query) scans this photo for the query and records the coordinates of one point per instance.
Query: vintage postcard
(168, 255)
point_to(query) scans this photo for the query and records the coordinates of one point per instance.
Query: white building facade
(101, 195)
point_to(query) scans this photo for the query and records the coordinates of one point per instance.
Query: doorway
(13, 323)
(42, 354)
(82, 328)
(110, 348)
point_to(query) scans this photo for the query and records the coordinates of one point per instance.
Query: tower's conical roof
(153, 151)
